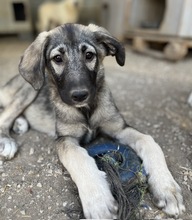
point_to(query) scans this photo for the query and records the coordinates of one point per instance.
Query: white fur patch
(8, 148)
(20, 126)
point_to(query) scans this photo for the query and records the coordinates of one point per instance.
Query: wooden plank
(173, 51)
(155, 36)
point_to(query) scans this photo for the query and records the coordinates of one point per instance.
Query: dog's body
(52, 14)
(82, 106)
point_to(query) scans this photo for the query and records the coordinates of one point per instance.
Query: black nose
(79, 95)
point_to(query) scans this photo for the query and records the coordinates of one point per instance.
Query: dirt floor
(151, 94)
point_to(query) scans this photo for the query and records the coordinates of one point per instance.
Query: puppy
(71, 98)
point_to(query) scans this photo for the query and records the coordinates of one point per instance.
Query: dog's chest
(89, 135)
(91, 129)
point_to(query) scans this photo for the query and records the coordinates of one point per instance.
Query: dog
(52, 14)
(69, 97)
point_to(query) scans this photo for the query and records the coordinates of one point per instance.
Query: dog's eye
(58, 59)
(89, 56)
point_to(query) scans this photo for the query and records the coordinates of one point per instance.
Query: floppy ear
(32, 64)
(112, 46)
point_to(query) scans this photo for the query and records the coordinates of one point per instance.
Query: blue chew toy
(129, 164)
(125, 173)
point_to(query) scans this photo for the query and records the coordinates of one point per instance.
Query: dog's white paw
(167, 194)
(8, 147)
(20, 125)
(97, 200)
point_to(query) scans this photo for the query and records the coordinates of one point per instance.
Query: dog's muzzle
(78, 97)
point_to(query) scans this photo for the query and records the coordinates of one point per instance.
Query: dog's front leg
(94, 191)
(166, 192)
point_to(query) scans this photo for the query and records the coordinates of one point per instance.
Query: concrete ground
(151, 94)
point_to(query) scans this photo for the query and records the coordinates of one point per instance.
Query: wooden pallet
(173, 48)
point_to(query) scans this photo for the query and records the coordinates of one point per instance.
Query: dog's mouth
(84, 104)
(81, 105)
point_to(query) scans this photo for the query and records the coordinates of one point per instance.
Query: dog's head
(72, 56)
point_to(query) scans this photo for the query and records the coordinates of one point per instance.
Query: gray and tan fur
(65, 64)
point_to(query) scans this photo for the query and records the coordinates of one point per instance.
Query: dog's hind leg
(7, 95)
(8, 91)
(20, 101)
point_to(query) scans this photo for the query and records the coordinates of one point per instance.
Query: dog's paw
(8, 148)
(97, 200)
(167, 194)
(20, 126)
